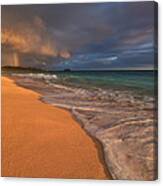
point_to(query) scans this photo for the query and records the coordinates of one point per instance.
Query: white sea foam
(38, 76)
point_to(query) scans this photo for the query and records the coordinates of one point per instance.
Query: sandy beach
(39, 140)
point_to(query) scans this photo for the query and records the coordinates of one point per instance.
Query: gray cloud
(95, 31)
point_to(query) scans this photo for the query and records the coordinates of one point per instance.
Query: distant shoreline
(72, 70)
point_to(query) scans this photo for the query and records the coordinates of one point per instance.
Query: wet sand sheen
(39, 140)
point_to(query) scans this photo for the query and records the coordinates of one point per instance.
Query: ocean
(144, 82)
(134, 80)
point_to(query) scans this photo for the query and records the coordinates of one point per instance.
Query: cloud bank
(86, 36)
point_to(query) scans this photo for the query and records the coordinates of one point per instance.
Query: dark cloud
(98, 35)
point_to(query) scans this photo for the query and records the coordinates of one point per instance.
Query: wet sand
(39, 140)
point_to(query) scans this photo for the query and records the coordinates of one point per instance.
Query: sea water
(144, 81)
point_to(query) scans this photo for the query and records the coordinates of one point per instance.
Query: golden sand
(39, 140)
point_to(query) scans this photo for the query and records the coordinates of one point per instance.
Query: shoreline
(97, 143)
(121, 122)
(100, 149)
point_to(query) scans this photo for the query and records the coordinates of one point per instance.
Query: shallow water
(139, 81)
(133, 80)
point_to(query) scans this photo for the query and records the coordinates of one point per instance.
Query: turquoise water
(137, 80)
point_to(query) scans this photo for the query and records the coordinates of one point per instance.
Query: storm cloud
(82, 36)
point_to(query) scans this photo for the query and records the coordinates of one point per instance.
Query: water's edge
(121, 125)
(98, 144)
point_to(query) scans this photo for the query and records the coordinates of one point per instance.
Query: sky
(94, 36)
